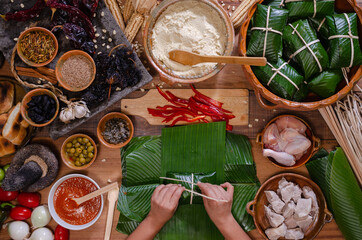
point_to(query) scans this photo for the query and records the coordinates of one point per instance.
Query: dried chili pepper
(91, 5)
(27, 14)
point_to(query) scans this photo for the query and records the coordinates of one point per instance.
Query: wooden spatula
(189, 58)
(94, 194)
(112, 199)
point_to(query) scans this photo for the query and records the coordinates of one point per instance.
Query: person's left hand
(164, 203)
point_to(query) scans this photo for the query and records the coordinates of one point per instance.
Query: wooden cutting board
(235, 100)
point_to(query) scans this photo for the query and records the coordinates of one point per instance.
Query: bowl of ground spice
(115, 130)
(75, 70)
(37, 46)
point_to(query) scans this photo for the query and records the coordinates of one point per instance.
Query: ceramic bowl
(27, 99)
(101, 126)
(256, 207)
(54, 214)
(69, 162)
(36, 29)
(166, 74)
(269, 100)
(59, 65)
(315, 146)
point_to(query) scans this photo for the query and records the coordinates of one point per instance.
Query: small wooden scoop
(94, 194)
(189, 58)
(112, 199)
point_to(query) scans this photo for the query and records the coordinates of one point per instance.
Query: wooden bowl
(36, 29)
(59, 65)
(69, 162)
(166, 74)
(101, 126)
(312, 103)
(256, 207)
(27, 99)
(315, 146)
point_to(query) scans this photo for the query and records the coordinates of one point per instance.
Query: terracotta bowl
(101, 126)
(59, 65)
(269, 100)
(69, 162)
(166, 74)
(27, 99)
(315, 146)
(35, 29)
(256, 207)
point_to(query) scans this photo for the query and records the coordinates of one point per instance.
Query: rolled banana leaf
(321, 27)
(285, 83)
(309, 8)
(325, 84)
(260, 38)
(312, 60)
(340, 42)
(186, 180)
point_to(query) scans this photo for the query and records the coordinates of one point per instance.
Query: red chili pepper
(187, 119)
(6, 196)
(30, 200)
(20, 213)
(177, 99)
(27, 14)
(206, 98)
(61, 233)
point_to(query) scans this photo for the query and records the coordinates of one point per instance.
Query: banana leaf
(302, 93)
(274, 3)
(293, 40)
(321, 27)
(305, 8)
(279, 85)
(341, 48)
(344, 193)
(277, 21)
(325, 84)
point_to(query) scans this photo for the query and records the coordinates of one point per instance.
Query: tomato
(20, 213)
(30, 200)
(6, 196)
(61, 233)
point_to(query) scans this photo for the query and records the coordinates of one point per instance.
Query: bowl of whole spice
(37, 46)
(39, 107)
(115, 130)
(75, 70)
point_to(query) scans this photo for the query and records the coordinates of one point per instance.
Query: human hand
(164, 203)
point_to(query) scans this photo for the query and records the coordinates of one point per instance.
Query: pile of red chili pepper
(196, 108)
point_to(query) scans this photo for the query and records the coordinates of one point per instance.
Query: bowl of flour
(198, 26)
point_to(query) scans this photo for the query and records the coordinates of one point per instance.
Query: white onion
(18, 230)
(42, 234)
(40, 216)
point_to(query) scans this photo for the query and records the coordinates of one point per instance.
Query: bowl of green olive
(79, 151)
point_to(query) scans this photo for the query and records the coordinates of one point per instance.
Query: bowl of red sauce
(65, 211)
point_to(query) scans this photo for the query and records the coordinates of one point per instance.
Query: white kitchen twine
(281, 4)
(278, 71)
(306, 45)
(192, 188)
(350, 36)
(345, 72)
(266, 30)
(321, 24)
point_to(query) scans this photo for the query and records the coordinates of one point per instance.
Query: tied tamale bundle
(310, 54)
(266, 32)
(344, 44)
(325, 84)
(309, 8)
(281, 78)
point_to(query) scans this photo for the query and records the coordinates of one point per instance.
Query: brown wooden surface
(107, 167)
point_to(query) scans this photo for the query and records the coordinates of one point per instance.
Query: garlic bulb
(66, 115)
(74, 110)
(81, 110)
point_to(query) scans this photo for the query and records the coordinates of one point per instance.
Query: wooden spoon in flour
(189, 58)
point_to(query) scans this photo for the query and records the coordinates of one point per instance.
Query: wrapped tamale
(321, 27)
(274, 3)
(301, 39)
(324, 85)
(309, 8)
(266, 32)
(281, 78)
(344, 44)
(186, 180)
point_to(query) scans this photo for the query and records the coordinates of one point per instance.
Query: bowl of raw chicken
(289, 206)
(288, 141)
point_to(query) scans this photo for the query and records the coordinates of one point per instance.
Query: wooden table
(107, 167)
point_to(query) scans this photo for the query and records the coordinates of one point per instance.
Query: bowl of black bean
(39, 107)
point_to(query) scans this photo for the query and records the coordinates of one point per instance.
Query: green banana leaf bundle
(201, 148)
(309, 8)
(325, 84)
(340, 53)
(267, 43)
(332, 172)
(312, 60)
(321, 27)
(189, 181)
(285, 83)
